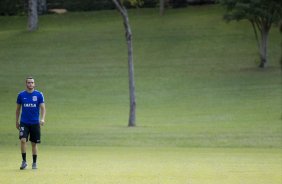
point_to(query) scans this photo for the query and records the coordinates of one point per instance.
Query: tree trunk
(42, 7)
(128, 35)
(32, 15)
(281, 44)
(162, 7)
(263, 48)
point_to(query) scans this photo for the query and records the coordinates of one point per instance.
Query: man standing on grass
(31, 105)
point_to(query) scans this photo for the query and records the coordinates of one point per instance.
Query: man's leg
(23, 151)
(34, 155)
(34, 139)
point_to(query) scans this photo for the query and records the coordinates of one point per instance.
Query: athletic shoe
(23, 166)
(34, 166)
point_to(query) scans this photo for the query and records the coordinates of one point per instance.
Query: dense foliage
(264, 10)
(13, 7)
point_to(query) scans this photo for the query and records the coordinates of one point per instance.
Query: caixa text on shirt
(29, 105)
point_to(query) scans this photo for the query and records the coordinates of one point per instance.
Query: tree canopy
(262, 14)
(269, 11)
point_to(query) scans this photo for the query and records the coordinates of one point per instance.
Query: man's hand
(42, 122)
(18, 125)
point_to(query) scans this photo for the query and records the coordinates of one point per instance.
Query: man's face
(30, 84)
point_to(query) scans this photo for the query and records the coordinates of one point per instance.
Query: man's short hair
(29, 77)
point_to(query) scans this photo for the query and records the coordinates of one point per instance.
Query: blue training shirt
(30, 103)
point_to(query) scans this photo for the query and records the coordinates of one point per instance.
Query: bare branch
(258, 24)
(120, 7)
(256, 33)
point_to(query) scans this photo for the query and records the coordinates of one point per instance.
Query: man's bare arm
(42, 113)
(18, 111)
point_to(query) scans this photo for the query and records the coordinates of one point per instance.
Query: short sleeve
(19, 100)
(41, 98)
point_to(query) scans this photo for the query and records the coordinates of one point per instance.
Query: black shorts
(30, 130)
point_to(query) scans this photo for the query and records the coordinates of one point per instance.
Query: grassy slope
(196, 79)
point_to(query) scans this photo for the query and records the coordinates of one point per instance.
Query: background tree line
(18, 7)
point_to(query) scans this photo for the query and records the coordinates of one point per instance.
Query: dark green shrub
(12, 7)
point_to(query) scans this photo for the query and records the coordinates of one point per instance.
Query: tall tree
(128, 35)
(32, 15)
(262, 14)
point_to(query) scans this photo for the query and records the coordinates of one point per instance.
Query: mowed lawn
(146, 165)
(205, 112)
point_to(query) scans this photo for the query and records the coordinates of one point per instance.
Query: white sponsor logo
(29, 105)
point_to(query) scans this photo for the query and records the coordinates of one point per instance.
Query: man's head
(30, 83)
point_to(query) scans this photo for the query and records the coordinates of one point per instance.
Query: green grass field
(205, 112)
(147, 165)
